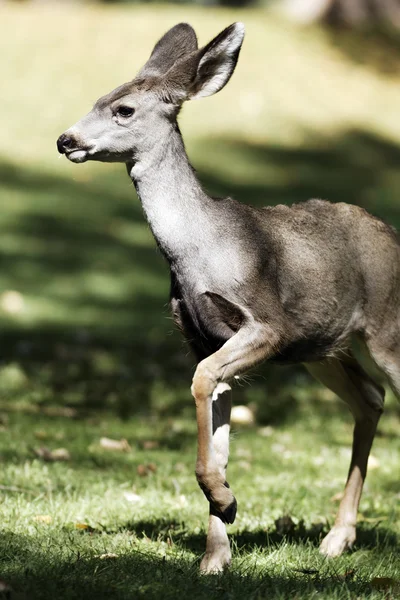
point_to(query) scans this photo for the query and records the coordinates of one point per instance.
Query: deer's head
(124, 125)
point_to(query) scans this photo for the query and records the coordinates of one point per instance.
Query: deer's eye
(125, 111)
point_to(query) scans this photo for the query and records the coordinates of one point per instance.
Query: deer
(306, 283)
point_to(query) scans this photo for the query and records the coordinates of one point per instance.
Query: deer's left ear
(217, 62)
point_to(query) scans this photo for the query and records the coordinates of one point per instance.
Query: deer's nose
(64, 142)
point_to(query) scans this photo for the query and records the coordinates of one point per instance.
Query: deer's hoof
(216, 562)
(224, 502)
(339, 539)
(229, 514)
(220, 496)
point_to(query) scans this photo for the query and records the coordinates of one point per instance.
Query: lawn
(89, 353)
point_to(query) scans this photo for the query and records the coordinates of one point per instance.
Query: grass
(88, 350)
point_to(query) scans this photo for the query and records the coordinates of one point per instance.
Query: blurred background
(311, 111)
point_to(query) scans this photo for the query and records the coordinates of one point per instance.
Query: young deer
(286, 284)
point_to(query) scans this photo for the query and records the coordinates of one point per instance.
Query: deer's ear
(174, 46)
(217, 62)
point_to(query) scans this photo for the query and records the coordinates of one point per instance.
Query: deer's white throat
(172, 198)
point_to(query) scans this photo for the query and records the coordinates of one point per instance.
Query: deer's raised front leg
(218, 552)
(251, 345)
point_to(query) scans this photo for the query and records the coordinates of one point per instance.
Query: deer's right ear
(175, 45)
(217, 62)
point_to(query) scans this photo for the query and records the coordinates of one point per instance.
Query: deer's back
(337, 274)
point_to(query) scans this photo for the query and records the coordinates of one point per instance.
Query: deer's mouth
(77, 155)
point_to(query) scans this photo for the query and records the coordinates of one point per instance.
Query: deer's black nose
(64, 142)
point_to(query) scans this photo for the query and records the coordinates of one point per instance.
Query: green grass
(90, 350)
(158, 539)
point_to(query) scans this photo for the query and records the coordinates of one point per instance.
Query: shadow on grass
(169, 530)
(44, 570)
(82, 255)
(374, 47)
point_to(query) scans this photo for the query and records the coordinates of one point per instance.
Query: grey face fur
(126, 124)
(110, 134)
(294, 284)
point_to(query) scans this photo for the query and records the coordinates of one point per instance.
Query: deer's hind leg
(365, 398)
(386, 354)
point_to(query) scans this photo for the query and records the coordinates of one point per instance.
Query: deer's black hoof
(229, 514)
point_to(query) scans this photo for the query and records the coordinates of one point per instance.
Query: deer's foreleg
(218, 553)
(248, 347)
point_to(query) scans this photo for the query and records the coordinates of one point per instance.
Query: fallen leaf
(44, 518)
(373, 462)
(385, 583)
(150, 444)
(242, 415)
(144, 470)
(85, 527)
(121, 445)
(349, 575)
(12, 302)
(266, 431)
(131, 497)
(42, 434)
(59, 454)
(60, 411)
(337, 497)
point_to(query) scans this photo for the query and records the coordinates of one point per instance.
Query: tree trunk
(348, 13)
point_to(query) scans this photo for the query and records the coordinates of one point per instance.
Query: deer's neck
(173, 201)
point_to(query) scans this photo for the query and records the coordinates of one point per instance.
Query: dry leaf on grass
(59, 454)
(60, 411)
(373, 462)
(131, 497)
(337, 497)
(266, 431)
(386, 584)
(242, 415)
(42, 434)
(44, 519)
(144, 470)
(11, 302)
(150, 444)
(85, 527)
(121, 445)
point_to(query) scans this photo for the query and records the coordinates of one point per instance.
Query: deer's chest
(206, 319)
